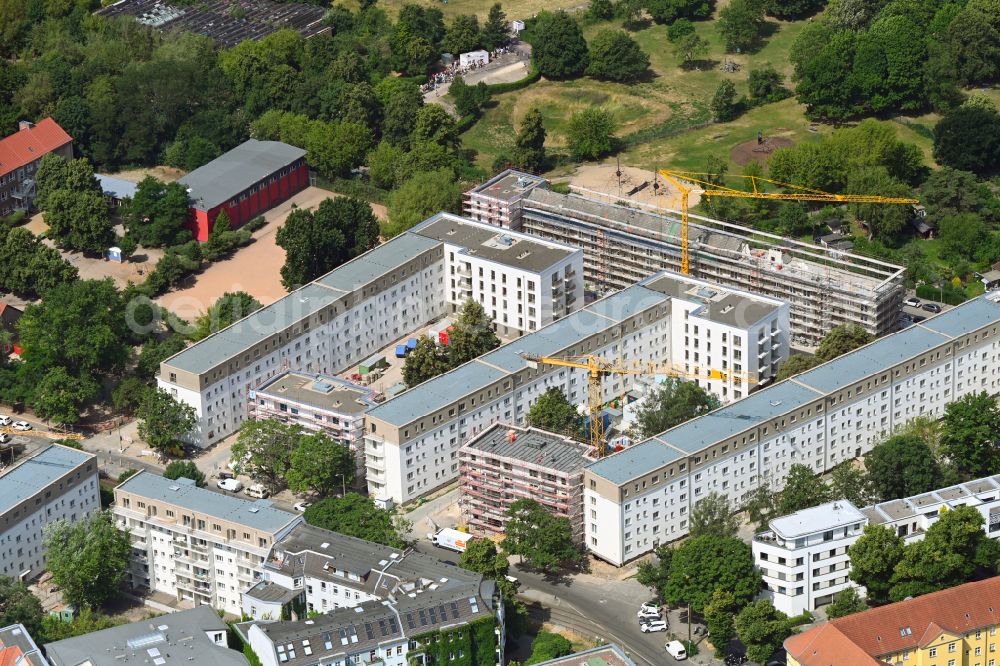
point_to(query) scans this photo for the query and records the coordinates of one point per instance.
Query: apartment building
(368, 304)
(506, 463)
(375, 603)
(56, 483)
(412, 440)
(642, 496)
(20, 154)
(825, 287)
(953, 627)
(194, 636)
(197, 545)
(803, 556)
(318, 403)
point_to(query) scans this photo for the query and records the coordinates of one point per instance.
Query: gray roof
(17, 637)
(231, 173)
(37, 472)
(968, 493)
(603, 655)
(175, 638)
(509, 185)
(259, 514)
(321, 391)
(378, 261)
(718, 304)
(531, 445)
(817, 519)
(117, 188)
(269, 592)
(781, 398)
(501, 246)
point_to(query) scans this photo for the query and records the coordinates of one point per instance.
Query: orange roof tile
(900, 626)
(27, 145)
(9, 656)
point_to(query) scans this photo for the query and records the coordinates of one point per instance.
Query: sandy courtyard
(254, 269)
(601, 179)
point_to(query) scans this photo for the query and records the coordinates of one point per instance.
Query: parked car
(21, 425)
(257, 490)
(656, 625)
(232, 485)
(4, 420)
(676, 650)
(913, 302)
(931, 307)
(226, 475)
(644, 612)
(917, 319)
(650, 607)
(4, 438)
(302, 506)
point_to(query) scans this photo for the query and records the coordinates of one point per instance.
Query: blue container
(400, 351)
(411, 344)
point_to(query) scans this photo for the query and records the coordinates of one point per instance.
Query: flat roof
(817, 519)
(235, 171)
(494, 244)
(34, 474)
(509, 185)
(718, 304)
(634, 461)
(604, 655)
(531, 445)
(258, 514)
(378, 261)
(967, 494)
(118, 188)
(322, 391)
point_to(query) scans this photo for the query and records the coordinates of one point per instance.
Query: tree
(794, 365)
(321, 465)
(616, 57)
(949, 191)
(222, 239)
(30, 268)
(973, 45)
(157, 213)
(741, 24)
(762, 629)
(317, 242)
(690, 48)
(601, 10)
(840, 340)
(472, 334)
(424, 362)
(874, 557)
(357, 516)
(56, 173)
(435, 125)
(852, 484)
(559, 50)
(703, 564)
(424, 194)
(968, 138)
(229, 308)
(902, 466)
(163, 420)
(791, 9)
(87, 558)
(462, 35)
(825, 79)
(656, 574)
(481, 556)
(186, 469)
(969, 432)
(548, 645)
(154, 352)
(802, 490)
(60, 397)
(552, 411)
(713, 515)
(85, 621)
(529, 143)
(496, 31)
(679, 29)
(591, 134)
(19, 606)
(720, 620)
(846, 602)
(954, 549)
(963, 236)
(263, 450)
(760, 505)
(725, 106)
(540, 538)
(766, 85)
(469, 100)
(672, 403)
(669, 11)
(79, 221)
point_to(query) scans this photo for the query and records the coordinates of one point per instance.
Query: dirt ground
(601, 179)
(254, 269)
(751, 151)
(164, 173)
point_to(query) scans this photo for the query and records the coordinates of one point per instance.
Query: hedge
(499, 88)
(946, 294)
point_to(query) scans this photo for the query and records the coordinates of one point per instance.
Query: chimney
(24, 125)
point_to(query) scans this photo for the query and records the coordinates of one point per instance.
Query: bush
(945, 294)
(255, 224)
(499, 88)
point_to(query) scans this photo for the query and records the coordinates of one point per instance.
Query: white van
(230, 484)
(676, 650)
(257, 490)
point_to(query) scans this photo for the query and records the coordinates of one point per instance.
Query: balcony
(377, 464)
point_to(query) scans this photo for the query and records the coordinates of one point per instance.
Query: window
(932, 652)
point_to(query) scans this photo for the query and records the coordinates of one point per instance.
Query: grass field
(515, 9)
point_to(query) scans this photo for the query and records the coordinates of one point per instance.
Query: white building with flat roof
(56, 483)
(803, 556)
(370, 302)
(641, 497)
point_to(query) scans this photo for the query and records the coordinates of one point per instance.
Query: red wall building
(248, 180)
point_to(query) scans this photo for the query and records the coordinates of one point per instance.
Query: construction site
(626, 239)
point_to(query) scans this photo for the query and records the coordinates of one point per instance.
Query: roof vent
(175, 488)
(254, 509)
(325, 544)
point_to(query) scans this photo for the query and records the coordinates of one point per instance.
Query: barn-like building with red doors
(248, 180)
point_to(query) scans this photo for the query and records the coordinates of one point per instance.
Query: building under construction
(623, 244)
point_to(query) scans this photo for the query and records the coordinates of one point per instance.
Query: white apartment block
(57, 483)
(317, 403)
(803, 556)
(197, 545)
(412, 440)
(369, 303)
(641, 497)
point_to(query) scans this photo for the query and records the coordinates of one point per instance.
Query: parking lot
(915, 310)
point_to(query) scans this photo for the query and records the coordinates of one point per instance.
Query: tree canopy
(419, 197)
(846, 602)
(874, 557)
(186, 469)
(703, 564)
(673, 402)
(19, 606)
(321, 465)
(164, 420)
(87, 558)
(540, 538)
(616, 57)
(553, 411)
(969, 434)
(356, 515)
(762, 629)
(802, 490)
(229, 308)
(902, 466)
(559, 50)
(713, 515)
(263, 450)
(591, 134)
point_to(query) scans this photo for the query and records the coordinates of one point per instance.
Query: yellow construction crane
(598, 368)
(699, 184)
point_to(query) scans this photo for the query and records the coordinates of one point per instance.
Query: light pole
(343, 484)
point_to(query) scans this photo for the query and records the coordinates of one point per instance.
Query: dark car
(918, 319)
(931, 307)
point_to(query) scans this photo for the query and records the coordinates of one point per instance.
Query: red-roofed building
(19, 156)
(953, 627)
